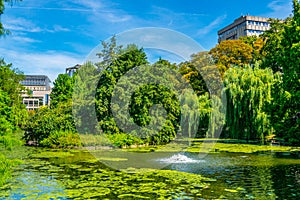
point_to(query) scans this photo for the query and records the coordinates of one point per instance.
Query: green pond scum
(86, 178)
(211, 146)
(77, 174)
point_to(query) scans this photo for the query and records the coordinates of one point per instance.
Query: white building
(244, 26)
(37, 91)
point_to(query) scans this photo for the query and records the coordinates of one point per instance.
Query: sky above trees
(48, 36)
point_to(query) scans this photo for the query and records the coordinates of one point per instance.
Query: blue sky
(48, 36)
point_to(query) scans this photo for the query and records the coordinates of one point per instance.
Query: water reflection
(261, 176)
(238, 176)
(29, 184)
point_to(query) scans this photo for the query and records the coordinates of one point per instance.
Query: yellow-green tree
(231, 52)
(257, 44)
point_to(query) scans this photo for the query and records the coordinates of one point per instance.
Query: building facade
(37, 91)
(244, 26)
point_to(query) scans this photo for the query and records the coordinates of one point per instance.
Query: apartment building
(244, 26)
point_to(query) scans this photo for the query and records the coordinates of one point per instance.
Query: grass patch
(235, 148)
(52, 154)
(213, 146)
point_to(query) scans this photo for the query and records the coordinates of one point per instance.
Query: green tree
(6, 124)
(8, 127)
(84, 99)
(191, 73)
(62, 90)
(149, 103)
(11, 111)
(55, 126)
(272, 44)
(10, 81)
(282, 48)
(10, 84)
(131, 57)
(291, 50)
(109, 53)
(248, 94)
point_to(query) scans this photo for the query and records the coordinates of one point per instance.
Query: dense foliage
(12, 113)
(260, 75)
(132, 57)
(282, 50)
(248, 93)
(141, 101)
(114, 104)
(54, 126)
(50, 122)
(63, 89)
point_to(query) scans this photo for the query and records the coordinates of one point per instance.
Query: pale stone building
(37, 91)
(244, 26)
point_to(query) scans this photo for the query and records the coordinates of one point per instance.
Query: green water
(53, 174)
(248, 176)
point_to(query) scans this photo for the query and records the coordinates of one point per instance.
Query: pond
(76, 174)
(248, 176)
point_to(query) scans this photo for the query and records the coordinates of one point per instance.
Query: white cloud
(97, 10)
(214, 24)
(58, 28)
(169, 17)
(50, 63)
(54, 8)
(280, 9)
(161, 11)
(20, 24)
(67, 5)
(91, 4)
(24, 39)
(111, 17)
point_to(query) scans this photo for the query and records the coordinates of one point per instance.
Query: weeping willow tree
(248, 92)
(189, 113)
(204, 77)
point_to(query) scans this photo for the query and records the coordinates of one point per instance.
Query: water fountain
(179, 158)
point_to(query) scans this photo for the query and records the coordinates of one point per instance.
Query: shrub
(124, 140)
(46, 121)
(62, 139)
